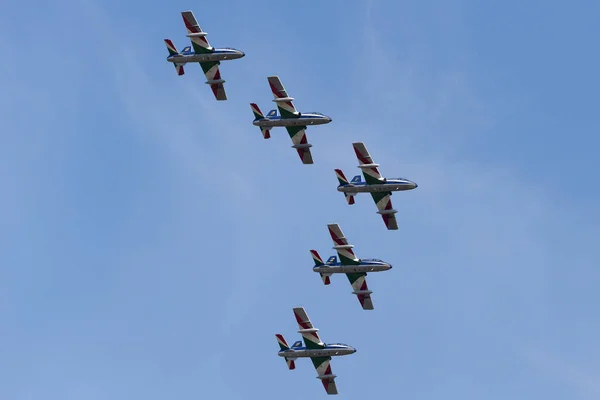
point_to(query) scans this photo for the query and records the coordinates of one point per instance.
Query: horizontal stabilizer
(291, 364)
(179, 69)
(349, 198)
(316, 258)
(256, 111)
(171, 47)
(341, 177)
(281, 341)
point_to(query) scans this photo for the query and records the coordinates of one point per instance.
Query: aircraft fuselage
(390, 185)
(302, 120)
(217, 55)
(330, 350)
(364, 266)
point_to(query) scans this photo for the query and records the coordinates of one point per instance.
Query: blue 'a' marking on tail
(331, 260)
(356, 179)
(186, 50)
(297, 344)
(272, 113)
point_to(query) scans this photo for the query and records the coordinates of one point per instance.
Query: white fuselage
(326, 352)
(217, 55)
(303, 120)
(391, 185)
(345, 269)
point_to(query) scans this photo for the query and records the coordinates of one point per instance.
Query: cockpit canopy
(338, 344)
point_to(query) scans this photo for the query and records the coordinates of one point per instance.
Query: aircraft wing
(300, 143)
(384, 207)
(324, 370)
(198, 38)
(341, 245)
(213, 77)
(309, 332)
(201, 46)
(284, 102)
(369, 168)
(360, 289)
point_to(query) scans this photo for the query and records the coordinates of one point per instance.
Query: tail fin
(343, 181)
(319, 263)
(257, 116)
(284, 346)
(173, 52)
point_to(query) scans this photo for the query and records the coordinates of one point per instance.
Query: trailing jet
(203, 53)
(355, 268)
(294, 121)
(320, 353)
(380, 188)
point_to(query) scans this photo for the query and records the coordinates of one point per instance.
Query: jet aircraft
(209, 57)
(380, 188)
(355, 269)
(320, 353)
(294, 121)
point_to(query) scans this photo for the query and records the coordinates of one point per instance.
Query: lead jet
(380, 188)
(209, 57)
(320, 353)
(355, 268)
(294, 121)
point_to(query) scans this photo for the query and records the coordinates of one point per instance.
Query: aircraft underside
(315, 353)
(204, 58)
(374, 188)
(291, 122)
(345, 269)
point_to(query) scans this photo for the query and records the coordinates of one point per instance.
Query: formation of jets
(296, 123)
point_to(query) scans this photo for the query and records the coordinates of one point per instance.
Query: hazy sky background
(152, 242)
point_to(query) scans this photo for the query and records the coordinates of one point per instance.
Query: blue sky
(153, 243)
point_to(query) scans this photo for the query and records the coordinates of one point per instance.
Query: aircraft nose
(415, 185)
(242, 54)
(353, 350)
